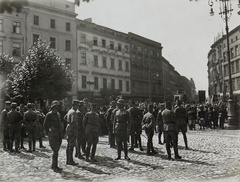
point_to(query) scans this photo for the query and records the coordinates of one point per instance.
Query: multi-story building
(146, 68)
(50, 20)
(103, 62)
(218, 75)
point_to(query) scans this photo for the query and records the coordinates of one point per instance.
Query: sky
(183, 27)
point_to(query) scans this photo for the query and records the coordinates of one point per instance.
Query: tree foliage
(12, 5)
(6, 64)
(41, 75)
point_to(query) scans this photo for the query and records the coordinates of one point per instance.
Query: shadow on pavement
(67, 176)
(196, 150)
(92, 169)
(146, 164)
(40, 154)
(196, 162)
(23, 155)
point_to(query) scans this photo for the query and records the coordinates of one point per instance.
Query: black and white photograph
(120, 90)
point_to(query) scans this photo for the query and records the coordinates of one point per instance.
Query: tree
(41, 76)
(12, 5)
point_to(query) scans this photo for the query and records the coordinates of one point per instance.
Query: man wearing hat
(71, 131)
(91, 125)
(170, 130)
(31, 121)
(15, 121)
(4, 126)
(160, 124)
(111, 136)
(54, 129)
(121, 128)
(80, 131)
(148, 124)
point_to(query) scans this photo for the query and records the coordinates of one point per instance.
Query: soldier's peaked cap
(55, 103)
(121, 101)
(81, 103)
(8, 102)
(75, 102)
(29, 105)
(94, 105)
(14, 104)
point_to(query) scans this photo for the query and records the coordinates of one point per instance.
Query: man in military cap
(31, 122)
(160, 124)
(148, 124)
(121, 128)
(136, 126)
(71, 131)
(54, 129)
(23, 128)
(91, 125)
(170, 130)
(80, 131)
(5, 127)
(15, 120)
(111, 136)
(181, 115)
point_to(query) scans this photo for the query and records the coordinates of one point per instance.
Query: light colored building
(218, 78)
(103, 62)
(51, 20)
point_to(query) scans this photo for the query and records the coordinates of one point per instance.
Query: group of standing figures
(83, 127)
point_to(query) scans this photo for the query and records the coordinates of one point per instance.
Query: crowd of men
(83, 123)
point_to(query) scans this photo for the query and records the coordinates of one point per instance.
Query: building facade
(103, 62)
(218, 75)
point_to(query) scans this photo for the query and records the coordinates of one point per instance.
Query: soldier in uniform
(160, 124)
(54, 129)
(15, 121)
(148, 124)
(181, 115)
(40, 128)
(91, 125)
(5, 127)
(31, 122)
(80, 131)
(121, 127)
(170, 130)
(71, 131)
(201, 115)
(136, 126)
(111, 136)
(23, 128)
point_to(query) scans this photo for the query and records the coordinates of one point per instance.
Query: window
(237, 66)
(127, 86)
(96, 83)
(120, 85)
(84, 82)
(53, 42)
(16, 27)
(158, 54)
(111, 45)
(112, 84)
(68, 45)
(152, 52)
(35, 38)
(112, 64)
(126, 47)
(68, 27)
(119, 47)
(104, 83)
(146, 51)
(224, 57)
(119, 64)
(36, 20)
(232, 68)
(95, 41)
(127, 66)
(132, 46)
(1, 25)
(236, 51)
(231, 53)
(103, 43)
(83, 56)
(52, 23)
(104, 59)
(68, 63)
(83, 38)
(139, 49)
(1, 46)
(95, 58)
(16, 49)
(225, 70)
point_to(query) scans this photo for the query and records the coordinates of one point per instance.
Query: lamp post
(226, 12)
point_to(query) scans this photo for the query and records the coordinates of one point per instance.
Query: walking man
(91, 125)
(71, 131)
(121, 128)
(54, 129)
(4, 126)
(160, 125)
(111, 136)
(148, 124)
(170, 130)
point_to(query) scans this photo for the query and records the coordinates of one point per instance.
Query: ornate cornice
(51, 31)
(52, 10)
(110, 75)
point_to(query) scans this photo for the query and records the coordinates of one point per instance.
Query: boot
(11, 146)
(16, 147)
(34, 145)
(40, 143)
(185, 141)
(70, 155)
(22, 141)
(93, 153)
(5, 146)
(87, 154)
(168, 150)
(30, 146)
(119, 155)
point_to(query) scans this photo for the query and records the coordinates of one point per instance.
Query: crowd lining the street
(123, 122)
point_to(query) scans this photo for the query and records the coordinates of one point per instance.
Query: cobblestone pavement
(214, 155)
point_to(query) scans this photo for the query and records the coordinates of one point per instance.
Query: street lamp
(226, 12)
